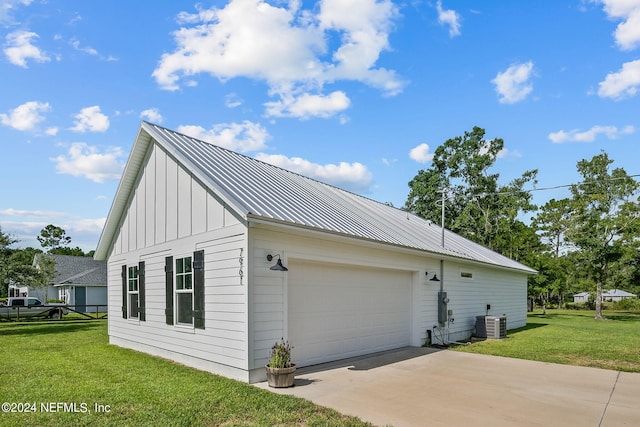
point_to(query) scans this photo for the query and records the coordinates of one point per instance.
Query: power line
(555, 187)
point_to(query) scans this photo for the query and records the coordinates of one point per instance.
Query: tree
(46, 272)
(477, 206)
(605, 221)
(15, 265)
(6, 240)
(552, 222)
(53, 237)
(67, 251)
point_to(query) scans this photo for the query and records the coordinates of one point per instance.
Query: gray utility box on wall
(492, 327)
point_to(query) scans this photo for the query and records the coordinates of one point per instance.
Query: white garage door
(338, 311)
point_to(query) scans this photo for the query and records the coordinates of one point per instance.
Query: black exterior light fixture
(278, 265)
(434, 278)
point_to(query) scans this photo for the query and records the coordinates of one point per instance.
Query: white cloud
(627, 33)
(576, 135)
(90, 119)
(243, 137)
(245, 39)
(25, 116)
(32, 214)
(7, 7)
(307, 105)
(421, 153)
(232, 100)
(19, 48)
(388, 162)
(623, 84)
(75, 43)
(350, 176)
(449, 17)
(88, 162)
(152, 115)
(513, 85)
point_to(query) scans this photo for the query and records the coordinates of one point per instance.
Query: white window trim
(176, 292)
(130, 292)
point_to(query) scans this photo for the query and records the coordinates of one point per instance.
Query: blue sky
(354, 93)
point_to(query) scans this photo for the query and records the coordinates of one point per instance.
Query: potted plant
(280, 370)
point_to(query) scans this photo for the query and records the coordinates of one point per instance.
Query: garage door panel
(341, 311)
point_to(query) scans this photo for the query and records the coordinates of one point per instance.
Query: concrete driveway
(427, 387)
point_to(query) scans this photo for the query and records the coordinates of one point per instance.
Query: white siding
(169, 203)
(505, 291)
(268, 297)
(269, 304)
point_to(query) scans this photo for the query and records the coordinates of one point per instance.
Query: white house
(616, 295)
(610, 296)
(581, 297)
(197, 237)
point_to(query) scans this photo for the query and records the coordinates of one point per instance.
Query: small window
(34, 301)
(466, 275)
(184, 291)
(133, 291)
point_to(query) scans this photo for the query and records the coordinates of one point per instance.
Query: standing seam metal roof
(261, 190)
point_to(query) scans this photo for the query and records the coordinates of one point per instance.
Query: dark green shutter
(168, 274)
(141, 291)
(124, 291)
(198, 289)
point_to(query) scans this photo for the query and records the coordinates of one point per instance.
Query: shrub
(632, 304)
(575, 306)
(280, 355)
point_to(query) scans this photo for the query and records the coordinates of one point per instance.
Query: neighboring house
(581, 297)
(80, 282)
(610, 296)
(198, 239)
(18, 291)
(616, 295)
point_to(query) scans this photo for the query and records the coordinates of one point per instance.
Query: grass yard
(573, 338)
(53, 364)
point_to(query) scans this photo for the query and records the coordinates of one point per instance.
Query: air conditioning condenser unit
(496, 327)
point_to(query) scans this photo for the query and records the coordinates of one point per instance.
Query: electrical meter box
(443, 300)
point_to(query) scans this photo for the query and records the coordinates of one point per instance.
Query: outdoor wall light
(278, 265)
(434, 278)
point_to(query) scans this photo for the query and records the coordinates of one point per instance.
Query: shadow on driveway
(422, 386)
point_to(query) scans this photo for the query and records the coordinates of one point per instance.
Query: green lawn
(573, 338)
(57, 363)
(53, 364)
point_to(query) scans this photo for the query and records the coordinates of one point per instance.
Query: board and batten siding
(171, 214)
(168, 204)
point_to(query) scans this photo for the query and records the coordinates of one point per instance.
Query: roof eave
(441, 255)
(123, 193)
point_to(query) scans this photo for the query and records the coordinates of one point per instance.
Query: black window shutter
(124, 291)
(168, 274)
(141, 292)
(198, 289)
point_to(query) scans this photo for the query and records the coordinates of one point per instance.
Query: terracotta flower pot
(280, 377)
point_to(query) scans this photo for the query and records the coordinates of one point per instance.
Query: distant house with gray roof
(213, 256)
(79, 281)
(610, 295)
(617, 295)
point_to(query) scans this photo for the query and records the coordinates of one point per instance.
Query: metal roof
(258, 190)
